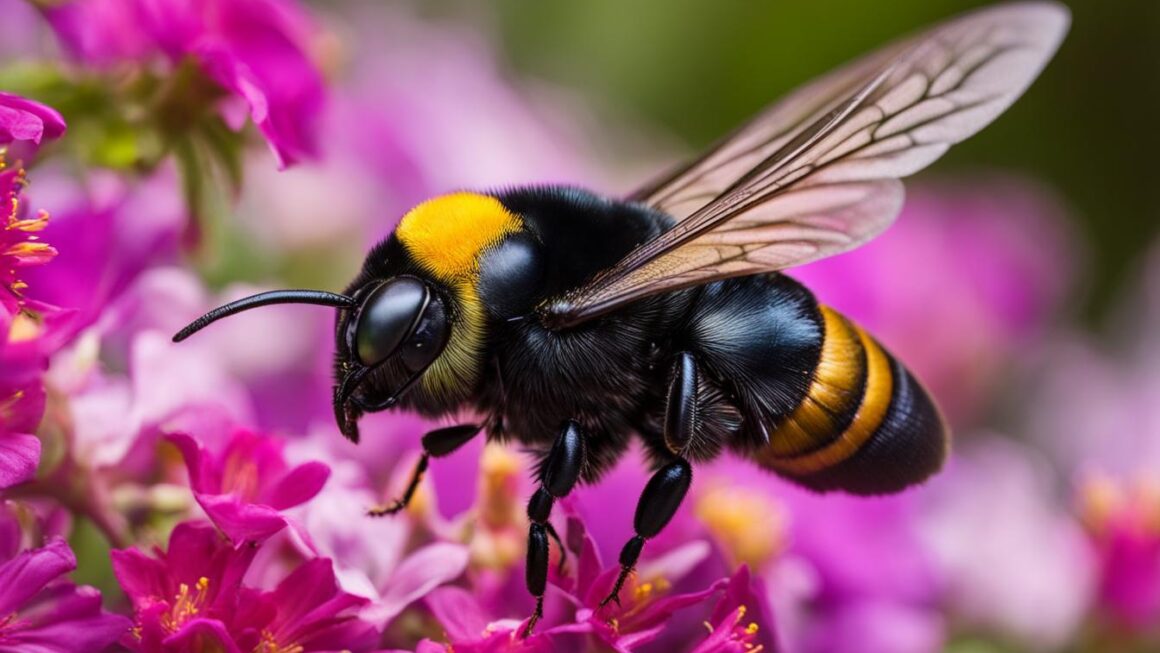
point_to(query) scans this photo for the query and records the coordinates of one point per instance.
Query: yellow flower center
(750, 526)
(187, 604)
(501, 528)
(269, 644)
(1105, 502)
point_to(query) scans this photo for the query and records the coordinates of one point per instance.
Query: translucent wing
(817, 173)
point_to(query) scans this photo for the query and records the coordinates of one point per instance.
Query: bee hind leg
(662, 495)
(559, 474)
(436, 444)
(658, 503)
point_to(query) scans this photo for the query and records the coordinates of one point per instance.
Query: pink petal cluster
(192, 597)
(1123, 521)
(22, 119)
(256, 51)
(40, 610)
(22, 318)
(244, 487)
(642, 619)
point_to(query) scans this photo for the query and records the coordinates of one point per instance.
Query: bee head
(411, 328)
(391, 330)
(394, 332)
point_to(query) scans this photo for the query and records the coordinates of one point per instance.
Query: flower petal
(19, 456)
(26, 574)
(22, 119)
(300, 485)
(423, 571)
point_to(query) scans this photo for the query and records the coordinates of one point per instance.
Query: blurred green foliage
(697, 68)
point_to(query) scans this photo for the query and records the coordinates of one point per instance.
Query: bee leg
(658, 503)
(436, 444)
(683, 409)
(558, 476)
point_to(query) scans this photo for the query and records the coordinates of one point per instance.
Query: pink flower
(24, 321)
(255, 50)
(1123, 522)
(1013, 561)
(645, 614)
(41, 611)
(20, 245)
(25, 120)
(244, 487)
(732, 628)
(21, 405)
(826, 560)
(193, 598)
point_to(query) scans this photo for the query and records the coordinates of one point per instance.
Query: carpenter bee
(571, 322)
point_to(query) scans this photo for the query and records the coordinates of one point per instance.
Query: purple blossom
(733, 626)
(41, 611)
(257, 51)
(1123, 522)
(192, 597)
(22, 119)
(244, 487)
(21, 405)
(108, 230)
(575, 620)
(826, 559)
(1013, 560)
(25, 322)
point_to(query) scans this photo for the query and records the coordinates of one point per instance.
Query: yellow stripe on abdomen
(879, 389)
(833, 396)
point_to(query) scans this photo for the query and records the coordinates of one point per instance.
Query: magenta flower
(257, 51)
(1031, 579)
(22, 119)
(20, 245)
(649, 602)
(21, 406)
(732, 628)
(1124, 526)
(41, 611)
(192, 598)
(108, 231)
(826, 560)
(245, 487)
(23, 321)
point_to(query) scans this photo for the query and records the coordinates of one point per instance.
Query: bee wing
(817, 173)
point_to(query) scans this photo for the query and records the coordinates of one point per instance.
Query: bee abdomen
(865, 425)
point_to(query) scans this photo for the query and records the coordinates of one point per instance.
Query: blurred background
(692, 70)
(1021, 284)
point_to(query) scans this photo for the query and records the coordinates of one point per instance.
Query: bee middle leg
(436, 444)
(558, 476)
(662, 495)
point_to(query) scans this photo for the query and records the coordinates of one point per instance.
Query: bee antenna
(317, 297)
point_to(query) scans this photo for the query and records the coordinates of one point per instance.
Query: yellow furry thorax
(447, 234)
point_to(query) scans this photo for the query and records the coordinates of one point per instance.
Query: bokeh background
(1021, 283)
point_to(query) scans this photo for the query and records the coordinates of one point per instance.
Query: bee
(572, 323)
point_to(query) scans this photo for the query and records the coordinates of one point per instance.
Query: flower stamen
(187, 604)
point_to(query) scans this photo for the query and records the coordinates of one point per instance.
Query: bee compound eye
(388, 315)
(429, 338)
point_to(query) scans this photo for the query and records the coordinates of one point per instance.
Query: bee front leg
(436, 444)
(559, 475)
